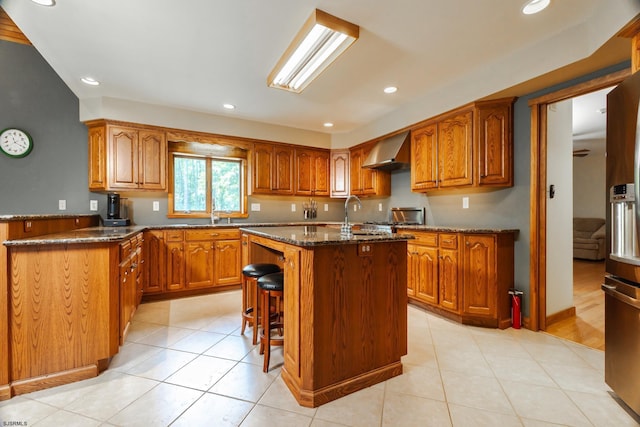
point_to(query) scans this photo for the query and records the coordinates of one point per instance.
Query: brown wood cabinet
(469, 147)
(365, 181)
(272, 169)
(311, 172)
(126, 157)
(131, 281)
(183, 260)
(339, 173)
(467, 282)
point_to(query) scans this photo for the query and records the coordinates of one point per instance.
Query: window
(200, 183)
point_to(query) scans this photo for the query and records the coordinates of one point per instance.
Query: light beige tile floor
(185, 364)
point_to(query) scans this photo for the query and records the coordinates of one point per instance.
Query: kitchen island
(345, 306)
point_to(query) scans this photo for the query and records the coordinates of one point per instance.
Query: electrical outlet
(326, 207)
(293, 207)
(156, 206)
(355, 207)
(379, 207)
(62, 205)
(93, 205)
(255, 207)
(465, 203)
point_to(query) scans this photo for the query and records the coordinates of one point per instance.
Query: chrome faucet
(345, 230)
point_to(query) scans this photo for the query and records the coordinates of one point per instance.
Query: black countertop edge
(318, 236)
(20, 217)
(483, 230)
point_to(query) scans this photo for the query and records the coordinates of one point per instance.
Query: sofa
(588, 238)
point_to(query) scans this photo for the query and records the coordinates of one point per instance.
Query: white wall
(559, 208)
(589, 193)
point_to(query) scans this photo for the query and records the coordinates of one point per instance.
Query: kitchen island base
(345, 309)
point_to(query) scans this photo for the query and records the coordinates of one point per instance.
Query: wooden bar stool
(250, 314)
(272, 289)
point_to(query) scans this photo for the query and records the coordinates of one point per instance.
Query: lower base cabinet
(192, 260)
(463, 276)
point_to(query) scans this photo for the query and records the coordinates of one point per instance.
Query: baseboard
(561, 315)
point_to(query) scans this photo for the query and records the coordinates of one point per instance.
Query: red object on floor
(516, 310)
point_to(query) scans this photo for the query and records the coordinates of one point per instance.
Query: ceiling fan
(581, 153)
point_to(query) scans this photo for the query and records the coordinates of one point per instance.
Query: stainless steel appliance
(397, 216)
(622, 278)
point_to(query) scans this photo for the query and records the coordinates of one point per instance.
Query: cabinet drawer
(422, 238)
(174, 236)
(213, 234)
(448, 241)
(125, 250)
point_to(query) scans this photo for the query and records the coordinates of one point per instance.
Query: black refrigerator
(622, 279)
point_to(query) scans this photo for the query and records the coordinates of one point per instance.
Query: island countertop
(81, 235)
(318, 235)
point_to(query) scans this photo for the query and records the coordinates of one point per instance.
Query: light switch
(93, 205)
(379, 207)
(255, 207)
(293, 207)
(465, 203)
(326, 207)
(156, 206)
(62, 205)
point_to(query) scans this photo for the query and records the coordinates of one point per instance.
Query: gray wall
(35, 99)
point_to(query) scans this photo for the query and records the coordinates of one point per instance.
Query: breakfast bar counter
(345, 302)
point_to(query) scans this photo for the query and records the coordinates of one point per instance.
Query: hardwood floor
(587, 327)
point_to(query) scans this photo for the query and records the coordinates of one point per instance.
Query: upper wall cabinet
(272, 169)
(365, 181)
(468, 147)
(312, 172)
(339, 173)
(123, 157)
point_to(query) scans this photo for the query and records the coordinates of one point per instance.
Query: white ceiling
(198, 54)
(590, 121)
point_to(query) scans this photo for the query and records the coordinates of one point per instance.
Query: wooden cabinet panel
(293, 294)
(426, 267)
(175, 266)
(455, 141)
(364, 181)
(424, 158)
(448, 279)
(321, 172)
(152, 160)
(495, 146)
(97, 158)
(262, 166)
(339, 173)
(282, 170)
(199, 265)
(123, 160)
(311, 172)
(480, 290)
(228, 266)
(155, 253)
(367, 176)
(355, 176)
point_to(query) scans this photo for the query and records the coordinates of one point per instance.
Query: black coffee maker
(116, 212)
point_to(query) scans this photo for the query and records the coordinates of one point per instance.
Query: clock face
(15, 142)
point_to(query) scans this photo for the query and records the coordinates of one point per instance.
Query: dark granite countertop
(243, 225)
(317, 235)
(82, 235)
(21, 217)
(479, 230)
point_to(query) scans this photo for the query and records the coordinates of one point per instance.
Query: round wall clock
(15, 142)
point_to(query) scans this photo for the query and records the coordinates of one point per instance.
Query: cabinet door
(426, 260)
(424, 158)
(199, 264)
(154, 266)
(304, 172)
(368, 176)
(355, 174)
(480, 291)
(153, 160)
(448, 279)
(455, 141)
(339, 173)
(262, 166)
(123, 164)
(412, 270)
(495, 145)
(228, 256)
(97, 158)
(127, 296)
(175, 266)
(282, 170)
(321, 173)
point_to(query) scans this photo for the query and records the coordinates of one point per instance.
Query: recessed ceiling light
(229, 106)
(535, 6)
(390, 89)
(45, 2)
(328, 125)
(90, 81)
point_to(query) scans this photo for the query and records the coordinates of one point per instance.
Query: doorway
(538, 318)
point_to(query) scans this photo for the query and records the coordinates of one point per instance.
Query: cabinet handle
(214, 234)
(467, 243)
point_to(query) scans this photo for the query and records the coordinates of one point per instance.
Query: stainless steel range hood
(390, 154)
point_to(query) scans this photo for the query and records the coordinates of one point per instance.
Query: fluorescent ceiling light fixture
(390, 89)
(328, 125)
(319, 42)
(229, 106)
(45, 2)
(535, 6)
(89, 81)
